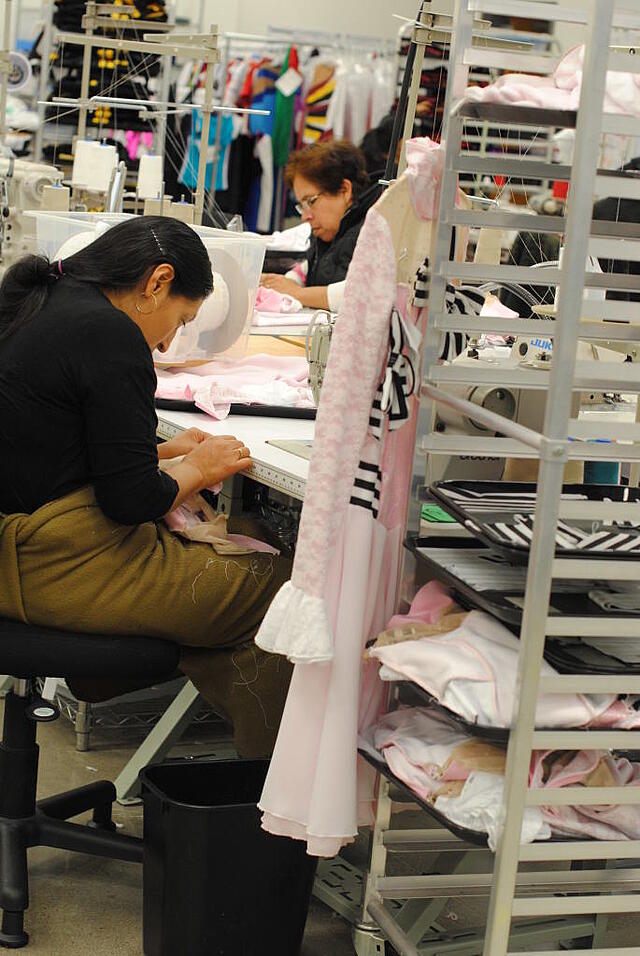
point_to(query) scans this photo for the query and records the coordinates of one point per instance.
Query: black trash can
(215, 883)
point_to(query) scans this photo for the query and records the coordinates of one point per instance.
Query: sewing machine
(21, 187)
(523, 405)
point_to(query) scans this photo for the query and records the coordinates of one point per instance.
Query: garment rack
(578, 902)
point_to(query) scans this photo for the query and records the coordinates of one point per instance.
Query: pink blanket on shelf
(561, 90)
(255, 380)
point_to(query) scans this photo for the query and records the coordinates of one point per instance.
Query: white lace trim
(296, 625)
(322, 846)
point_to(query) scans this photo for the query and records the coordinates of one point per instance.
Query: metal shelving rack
(572, 900)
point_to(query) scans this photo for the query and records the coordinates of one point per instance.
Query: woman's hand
(182, 444)
(282, 285)
(218, 458)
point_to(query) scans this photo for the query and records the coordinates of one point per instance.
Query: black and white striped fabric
(391, 402)
(461, 300)
(366, 487)
(397, 385)
(506, 518)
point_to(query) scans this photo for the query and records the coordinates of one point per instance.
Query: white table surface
(271, 466)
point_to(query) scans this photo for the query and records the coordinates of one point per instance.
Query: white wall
(370, 17)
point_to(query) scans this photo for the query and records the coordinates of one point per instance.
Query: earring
(161, 347)
(155, 305)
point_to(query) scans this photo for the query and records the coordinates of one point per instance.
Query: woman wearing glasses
(333, 195)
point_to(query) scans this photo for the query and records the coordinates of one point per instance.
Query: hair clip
(162, 252)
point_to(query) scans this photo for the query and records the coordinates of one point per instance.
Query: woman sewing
(333, 195)
(83, 545)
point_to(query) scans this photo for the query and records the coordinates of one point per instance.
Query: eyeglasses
(306, 204)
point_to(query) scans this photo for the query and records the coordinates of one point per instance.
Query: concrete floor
(81, 905)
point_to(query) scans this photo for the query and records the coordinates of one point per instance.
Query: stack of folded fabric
(469, 666)
(462, 777)
(467, 663)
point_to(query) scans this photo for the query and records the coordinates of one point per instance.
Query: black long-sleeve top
(77, 388)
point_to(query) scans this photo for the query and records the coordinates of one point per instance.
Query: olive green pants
(70, 567)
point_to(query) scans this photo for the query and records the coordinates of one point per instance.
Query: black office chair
(26, 653)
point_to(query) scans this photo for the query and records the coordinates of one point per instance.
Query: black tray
(415, 695)
(478, 517)
(476, 837)
(257, 411)
(499, 604)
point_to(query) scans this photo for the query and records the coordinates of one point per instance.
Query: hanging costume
(343, 587)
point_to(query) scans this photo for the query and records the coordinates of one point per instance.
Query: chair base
(25, 823)
(12, 935)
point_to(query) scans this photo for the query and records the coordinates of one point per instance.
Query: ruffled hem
(322, 846)
(296, 626)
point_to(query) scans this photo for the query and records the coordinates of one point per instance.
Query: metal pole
(86, 72)
(204, 145)
(539, 574)
(416, 82)
(43, 82)
(161, 127)
(216, 146)
(4, 74)
(391, 930)
(398, 122)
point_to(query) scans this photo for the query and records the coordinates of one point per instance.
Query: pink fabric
(359, 342)
(416, 746)
(312, 789)
(178, 522)
(425, 165)
(430, 603)
(258, 379)
(562, 89)
(473, 669)
(244, 541)
(268, 300)
(613, 822)
(345, 572)
(135, 139)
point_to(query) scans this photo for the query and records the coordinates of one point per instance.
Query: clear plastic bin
(224, 320)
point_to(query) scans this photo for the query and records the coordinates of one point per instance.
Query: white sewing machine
(523, 405)
(21, 187)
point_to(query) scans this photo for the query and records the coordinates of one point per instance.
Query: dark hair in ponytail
(119, 259)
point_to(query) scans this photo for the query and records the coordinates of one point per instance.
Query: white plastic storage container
(225, 317)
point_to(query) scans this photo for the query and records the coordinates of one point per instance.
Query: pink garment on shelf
(426, 754)
(268, 300)
(416, 746)
(562, 89)
(615, 822)
(258, 379)
(472, 671)
(431, 602)
(343, 588)
(425, 165)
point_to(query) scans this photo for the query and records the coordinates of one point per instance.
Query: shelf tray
(519, 115)
(476, 837)
(504, 598)
(501, 514)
